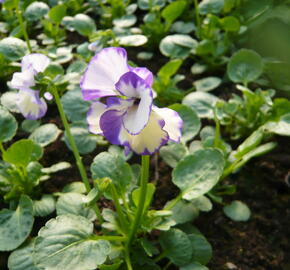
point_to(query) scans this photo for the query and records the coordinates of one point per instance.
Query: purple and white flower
(128, 116)
(29, 103)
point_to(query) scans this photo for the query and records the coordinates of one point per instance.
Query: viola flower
(29, 103)
(128, 116)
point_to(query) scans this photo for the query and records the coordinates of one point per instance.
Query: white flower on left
(29, 103)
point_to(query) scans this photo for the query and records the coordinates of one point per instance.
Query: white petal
(173, 122)
(136, 118)
(94, 115)
(30, 105)
(39, 62)
(104, 70)
(144, 73)
(23, 80)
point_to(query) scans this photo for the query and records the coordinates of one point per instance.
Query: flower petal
(39, 62)
(173, 122)
(147, 142)
(143, 73)
(93, 117)
(23, 80)
(136, 118)
(30, 105)
(104, 70)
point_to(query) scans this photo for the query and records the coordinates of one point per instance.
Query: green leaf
(8, 125)
(207, 84)
(85, 141)
(75, 107)
(245, 66)
(45, 134)
(194, 266)
(23, 152)
(177, 246)
(281, 127)
(230, 24)
(60, 166)
(211, 6)
(30, 125)
(173, 153)
(57, 13)
(16, 225)
(82, 23)
(237, 211)
(125, 21)
(198, 173)
(35, 11)
(74, 203)
(113, 166)
(191, 121)
(202, 250)
(181, 27)
(12, 48)
(150, 193)
(177, 46)
(21, 259)
(44, 206)
(132, 40)
(148, 4)
(203, 203)
(203, 103)
(169, 69)
(64, 244)
(172, 11)
(8, 101)
(75, 187)
(184, 212)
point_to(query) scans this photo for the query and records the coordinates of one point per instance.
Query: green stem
(197, 17)
(142, 199)
(119, 210)
(173, 202)
(127, 259)
(2, 148)
(167, 265)
(71, 140)
(217, 132)
(161, 256)
(23, 27)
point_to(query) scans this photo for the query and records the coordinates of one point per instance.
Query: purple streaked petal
(30, 105)
(103, 71)
(23, 80)
(143, 73)
(111, 125)
(39, 62)
(173, 122)
(93, 117)
(137, 116)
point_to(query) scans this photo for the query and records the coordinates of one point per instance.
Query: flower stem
(23, 27)
(172, 203)
(197, 17)
(142, 199)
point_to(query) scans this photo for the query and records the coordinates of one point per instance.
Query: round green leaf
(281, 127)
(30, 125)
(16, 225)
(13, 48)
(202, 250)
(65, 244)
(237, 211)
(191, 122)
(74, 203)
(125, 21)
(148, 4)
(45, 134)
(8, 101)
(184, 212)
(173, 153)
(194, 266)
(207, 84)
(82, 23)
(75, 106)
(35, 11)
(44, 206)
(198, 173)
(183, 27)
(245, 66)
(177, 46)
(211, 6)
(23, 152)
(132, 40)
(230, 24)
(203, 103)
(85, 141)
(177, 246)
(113, 166)
(21, 259)
(8, 125)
